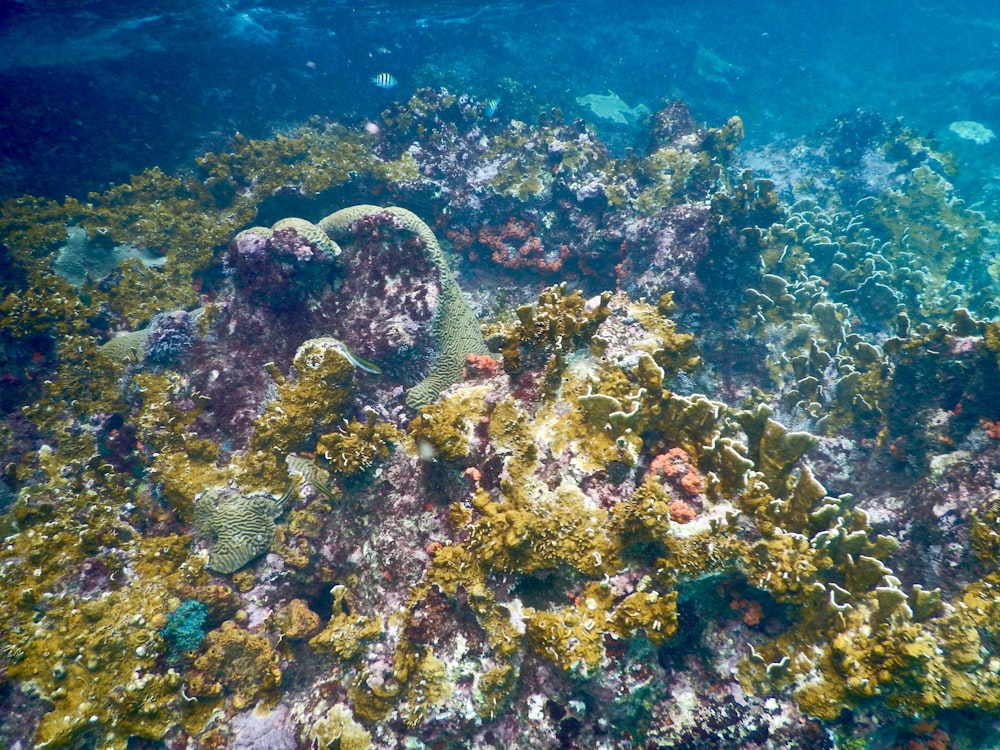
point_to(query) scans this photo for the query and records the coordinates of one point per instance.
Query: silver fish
(361, 363)
(356, 361)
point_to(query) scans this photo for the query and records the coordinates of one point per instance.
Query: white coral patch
(972, 131)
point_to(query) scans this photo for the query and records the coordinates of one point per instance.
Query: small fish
(384, 80)
(354, 359)
(310, 473)
(361, 363)
(490, 107)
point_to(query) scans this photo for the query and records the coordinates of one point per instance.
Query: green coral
(184, 630)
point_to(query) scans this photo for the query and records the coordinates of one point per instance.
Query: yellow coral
(346, 633)
(573, 636)
(336, 729)
(295, 620)
(357, 446)
(447, 428)
(235, 663)
(321, 390)
(650, 612)
(96, 660)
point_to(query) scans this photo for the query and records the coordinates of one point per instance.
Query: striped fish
(490, 107)
(310, 473)
(384, 80)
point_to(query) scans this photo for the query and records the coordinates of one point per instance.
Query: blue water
(95, 91)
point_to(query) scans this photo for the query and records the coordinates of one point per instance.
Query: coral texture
(718, 467)
(456, 330)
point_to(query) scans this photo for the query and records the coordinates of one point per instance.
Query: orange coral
(930, 737)
(515, 246)
(692, 483)
(472, 477)
(753, 612)
(992, 428)
(939, 740)
(480, 366)
(676, 464)
(461, 239)
(681, 512)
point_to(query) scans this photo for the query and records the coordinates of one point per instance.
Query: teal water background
(96, 91)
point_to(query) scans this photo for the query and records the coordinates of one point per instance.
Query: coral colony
(572, 451)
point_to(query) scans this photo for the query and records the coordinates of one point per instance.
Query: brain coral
(239, 527)
(456, 330)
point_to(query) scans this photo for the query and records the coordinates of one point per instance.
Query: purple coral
(388, 293)
(263, 731)
(667, 249)
(378, 294)
(171, 334)
(280, 267)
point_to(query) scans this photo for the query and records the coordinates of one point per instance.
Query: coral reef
(726, 479)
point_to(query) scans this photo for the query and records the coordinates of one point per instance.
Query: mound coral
(239, 527)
